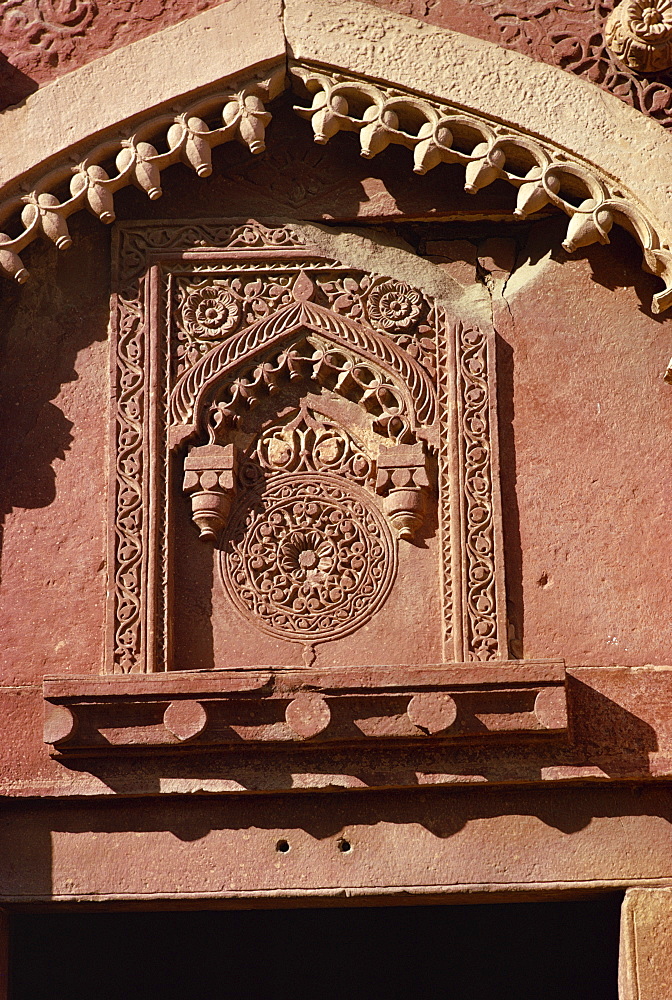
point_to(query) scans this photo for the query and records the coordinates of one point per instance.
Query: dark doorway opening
(512, 951)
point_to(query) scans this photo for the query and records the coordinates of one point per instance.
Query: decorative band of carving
(446, 408)
(436, 133)
(481, 639)
(543, 173)
(129, 525)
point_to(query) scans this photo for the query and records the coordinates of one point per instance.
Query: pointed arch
(281, 328)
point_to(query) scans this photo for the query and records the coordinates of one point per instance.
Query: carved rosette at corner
(639, 34)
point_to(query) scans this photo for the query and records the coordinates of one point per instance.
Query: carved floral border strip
(132, 502)
(484, 598)
(543, 174)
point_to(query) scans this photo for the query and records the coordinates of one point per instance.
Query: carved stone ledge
(348, 706)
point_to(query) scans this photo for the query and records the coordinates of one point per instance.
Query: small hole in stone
(344, 846)
(543, 580)
(282, 846)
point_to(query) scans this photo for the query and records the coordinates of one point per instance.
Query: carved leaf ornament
(543, 174)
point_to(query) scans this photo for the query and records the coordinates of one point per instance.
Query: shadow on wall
(626, 837)
(15, 85)
(60, 311)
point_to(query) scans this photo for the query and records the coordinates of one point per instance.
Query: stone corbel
(210, 482)
(438, 133)
(403, 483)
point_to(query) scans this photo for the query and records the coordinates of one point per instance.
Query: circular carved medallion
(307, 558)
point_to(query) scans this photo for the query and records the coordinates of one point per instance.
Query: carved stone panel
(304, 461)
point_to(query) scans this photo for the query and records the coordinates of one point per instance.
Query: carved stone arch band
(301, 314)
(422, 101)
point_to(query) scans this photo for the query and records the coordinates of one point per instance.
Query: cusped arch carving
(407, 377)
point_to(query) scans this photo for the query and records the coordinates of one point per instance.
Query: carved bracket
(402, 481)
(189, 139)
(210, 481)
(437, 133)
(354, 706)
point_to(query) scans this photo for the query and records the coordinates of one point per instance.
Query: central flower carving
(308, 559)
(307, 556)
(651, 19)
(394, 305)
(211, 312)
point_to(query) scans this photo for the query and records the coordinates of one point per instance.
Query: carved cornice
(544, 174)
(358, 707)
(189, 136)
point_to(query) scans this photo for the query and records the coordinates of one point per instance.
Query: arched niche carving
(302, 338)
(293, 497)
(260, 333)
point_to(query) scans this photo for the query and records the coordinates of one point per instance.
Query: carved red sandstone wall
(42, 39)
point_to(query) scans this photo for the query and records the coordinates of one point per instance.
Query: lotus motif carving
(308, 559)
(211, 312)
(639, 33)
(394, 305)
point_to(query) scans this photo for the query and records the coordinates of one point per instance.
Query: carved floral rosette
(308, 551)
(308, 559)
(639, 33)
